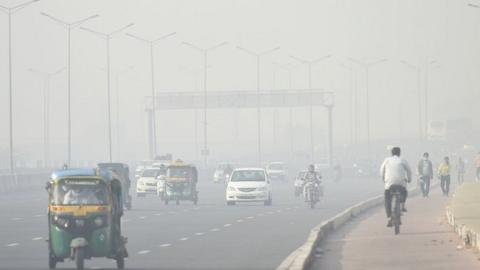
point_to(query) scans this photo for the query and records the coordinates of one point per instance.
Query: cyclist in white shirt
(395, 173)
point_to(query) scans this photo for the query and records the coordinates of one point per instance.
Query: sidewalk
(426, 241)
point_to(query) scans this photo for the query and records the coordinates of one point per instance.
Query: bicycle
(397, 211)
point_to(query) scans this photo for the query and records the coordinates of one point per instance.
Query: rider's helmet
(311, 168)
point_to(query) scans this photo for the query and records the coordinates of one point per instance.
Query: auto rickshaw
(84, 212)
(181, 183)
(123, 173)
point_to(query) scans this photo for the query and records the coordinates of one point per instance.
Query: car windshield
(80, 191)
(248, 176)
(179, 172)
(150, 173)
(276, 166)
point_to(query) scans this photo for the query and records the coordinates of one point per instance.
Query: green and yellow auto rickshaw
(181, 183)
(84, 212)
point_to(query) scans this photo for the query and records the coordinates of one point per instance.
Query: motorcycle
(312, 193)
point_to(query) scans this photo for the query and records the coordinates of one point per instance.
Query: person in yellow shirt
(444, 175)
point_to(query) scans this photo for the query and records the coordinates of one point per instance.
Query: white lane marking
(215, 230)
(227, 225)
(95, 267)
(165, 245)
(250, 217)
(16, 218)
(13, 245)
(37, 238)
(183, 239)
(260, 215)
(38, 215)
(199, 233)
(142, 252)
(239, 220)
(159, 214)
(142, 217)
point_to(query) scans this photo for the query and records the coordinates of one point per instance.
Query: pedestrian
(425, 172)
(477, 166)
(460, 170)
(444, 174)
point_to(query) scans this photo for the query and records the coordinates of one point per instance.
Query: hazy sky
(445, 31)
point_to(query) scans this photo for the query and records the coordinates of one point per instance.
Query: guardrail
(302, 257)
(22, 182)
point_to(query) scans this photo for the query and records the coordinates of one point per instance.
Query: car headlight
(262, 189)
(232, 189)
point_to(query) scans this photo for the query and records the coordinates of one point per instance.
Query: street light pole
(309, 64)
(46, 110)
(151, 44)
(204, 52)
(107, 37)
(69, 26)
(10, 11)
(258, 55)
(367, 67)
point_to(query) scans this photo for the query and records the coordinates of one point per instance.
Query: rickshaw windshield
(179, 172)
(83, 192)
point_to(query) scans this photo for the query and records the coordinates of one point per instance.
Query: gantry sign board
(242, 99)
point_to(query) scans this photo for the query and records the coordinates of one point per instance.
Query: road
(211, 235)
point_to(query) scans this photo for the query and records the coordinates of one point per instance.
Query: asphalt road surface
(210, 235)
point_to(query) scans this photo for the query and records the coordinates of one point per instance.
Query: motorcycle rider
(425, 171)
(311, 177)
(395, 172)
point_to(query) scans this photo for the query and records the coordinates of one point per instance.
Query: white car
(277, 171)
(147, 182)
(249, 185)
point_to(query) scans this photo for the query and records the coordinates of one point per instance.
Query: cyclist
(395, 172)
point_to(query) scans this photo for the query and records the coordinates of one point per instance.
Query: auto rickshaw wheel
(80, 258)
(52, 262)
(120, 262)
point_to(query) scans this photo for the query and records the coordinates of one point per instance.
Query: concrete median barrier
(302, 257)
(463, 214)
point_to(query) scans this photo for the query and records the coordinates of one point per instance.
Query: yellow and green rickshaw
(84, 212)
(181, 183)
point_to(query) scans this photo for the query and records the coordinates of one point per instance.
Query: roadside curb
(302, 257)
(469, 237)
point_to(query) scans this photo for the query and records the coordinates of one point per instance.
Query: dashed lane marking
(159, 214)
(199, 233)
(142, 252)
(12, 245)
(183, 239)
(215, 230)
(250, 217)
(37, 238)
(142, 217)
(16, 218)
(227, 225)
(239, 220)
(165, 245)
